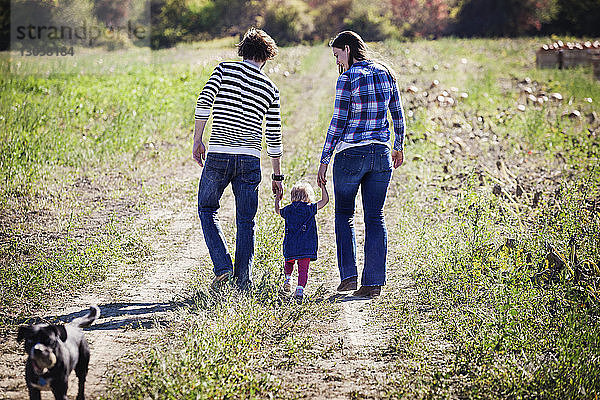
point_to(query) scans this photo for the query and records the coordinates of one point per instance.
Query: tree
(4, 25)
(504, 17)
(576, 17)
(422, 17)
(112, 12)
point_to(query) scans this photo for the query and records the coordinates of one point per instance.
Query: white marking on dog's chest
(42, 384)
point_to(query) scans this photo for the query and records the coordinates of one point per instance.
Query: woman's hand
(397, 157)
(322, 175)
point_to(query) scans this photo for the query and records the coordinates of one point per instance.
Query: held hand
(322, 175)
(199, 153)
(397, 158)
(323, 187)
(277, 187)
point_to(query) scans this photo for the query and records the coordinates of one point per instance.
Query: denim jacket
(300, 239)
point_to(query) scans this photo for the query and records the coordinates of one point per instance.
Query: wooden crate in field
(547, 58)
(568, 55)
(595, 57)
(575, 57)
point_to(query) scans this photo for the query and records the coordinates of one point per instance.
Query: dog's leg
(81, 377)
(34, 394)
(60, 389)
(81, 369)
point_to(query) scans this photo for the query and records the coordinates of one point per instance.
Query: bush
(293, 21)
(328, 17)
(576, 17)
(422, 18)
(371, 23)
(288, 21)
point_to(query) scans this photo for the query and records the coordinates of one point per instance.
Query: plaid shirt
(363, 95)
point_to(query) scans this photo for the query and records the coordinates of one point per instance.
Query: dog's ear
(24, 331)
(61, 332)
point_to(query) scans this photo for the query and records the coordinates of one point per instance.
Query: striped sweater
(241, 95)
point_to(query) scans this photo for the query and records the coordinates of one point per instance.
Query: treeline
(294, 21)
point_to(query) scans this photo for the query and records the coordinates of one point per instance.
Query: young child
(300, 241)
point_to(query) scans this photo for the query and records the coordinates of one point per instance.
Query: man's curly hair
(257, 45)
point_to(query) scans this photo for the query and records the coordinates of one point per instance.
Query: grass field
(494, 234)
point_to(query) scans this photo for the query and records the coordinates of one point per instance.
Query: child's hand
(325, 196)
(277, 198)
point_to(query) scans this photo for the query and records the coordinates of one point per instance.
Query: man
(241, 96)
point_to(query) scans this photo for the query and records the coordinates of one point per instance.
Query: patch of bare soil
(349, 360)
(133, 306)
(348, 355)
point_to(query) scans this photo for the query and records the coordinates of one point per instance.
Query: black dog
(54, 351)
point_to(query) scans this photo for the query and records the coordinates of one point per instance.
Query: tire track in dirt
(351, 360)
(132, 309)
(346, 360)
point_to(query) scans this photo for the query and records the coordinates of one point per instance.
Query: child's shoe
(299, 295)
(287, 288)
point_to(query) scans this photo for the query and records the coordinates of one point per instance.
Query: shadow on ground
(117, 315)
(133, 315)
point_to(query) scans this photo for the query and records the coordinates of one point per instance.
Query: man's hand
(199, 152)
(277, 187)
(322, 175)
(397, 157)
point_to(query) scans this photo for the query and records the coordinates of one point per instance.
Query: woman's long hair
(358, 47)
(358, 50)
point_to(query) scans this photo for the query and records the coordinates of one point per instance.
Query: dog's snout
(39, 349)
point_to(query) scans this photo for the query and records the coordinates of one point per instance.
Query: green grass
(220, 350)
(511, 332)
(511, 337)
(76, 143)
(470, 318)
(33, 268)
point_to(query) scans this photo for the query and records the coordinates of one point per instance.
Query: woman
(241, 97)
(359, 134)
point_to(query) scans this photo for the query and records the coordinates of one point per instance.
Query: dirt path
(347, 357)
(133, 305)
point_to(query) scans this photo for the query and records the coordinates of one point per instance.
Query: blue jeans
(370, 168)
(243, 172)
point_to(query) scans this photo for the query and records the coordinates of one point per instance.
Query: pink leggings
(302, 270)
